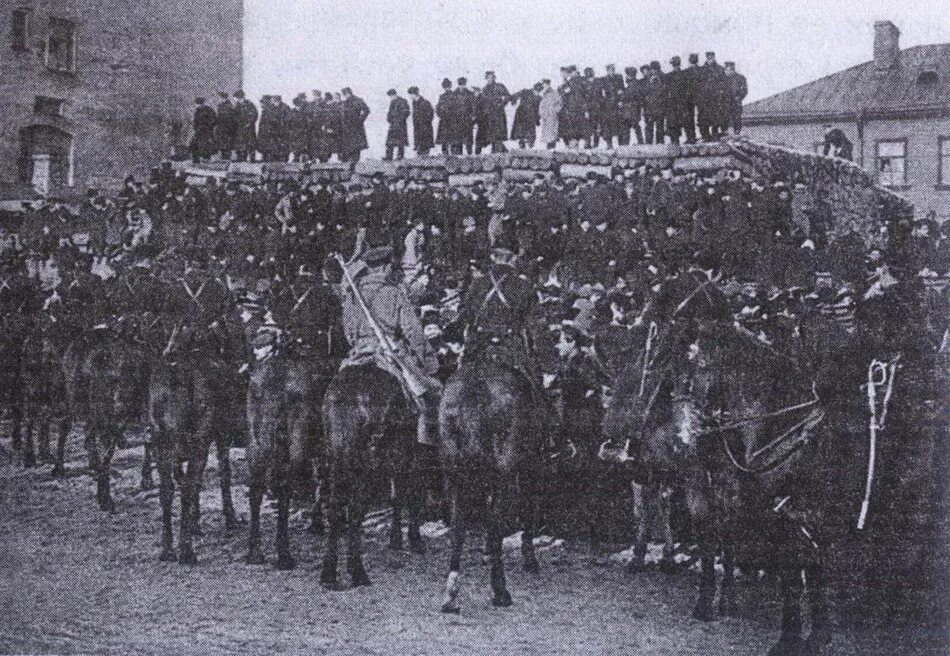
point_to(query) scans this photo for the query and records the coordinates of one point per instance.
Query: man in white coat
(549, 110)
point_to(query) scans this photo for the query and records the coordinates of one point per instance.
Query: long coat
(226, 126)
(422, 115)
(495, 96)
(353, 128)
(246, 118)
(397, 116)
(574, 123)
(549, 111)
(447, 110)
(527, 115)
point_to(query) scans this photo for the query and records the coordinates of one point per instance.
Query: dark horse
(285, 430)
(490, 447)
(728, 417)
(370, 436)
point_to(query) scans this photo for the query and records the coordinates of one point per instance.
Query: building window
(48, 106)
(944, 163)
(21, 29)
(61, 46)
(892, 163)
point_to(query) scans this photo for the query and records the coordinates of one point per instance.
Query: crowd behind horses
(174, 300)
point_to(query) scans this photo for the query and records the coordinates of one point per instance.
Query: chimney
(887, 47)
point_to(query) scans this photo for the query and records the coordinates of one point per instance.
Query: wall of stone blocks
(139, 67)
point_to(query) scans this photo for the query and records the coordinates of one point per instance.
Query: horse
(193, 384)
(369, 431)
(490, 449)
(711, 407)
(43, 399)
(286, 387)
(115, 376)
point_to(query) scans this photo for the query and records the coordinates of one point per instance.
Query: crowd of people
(594, 249)
(646, 105)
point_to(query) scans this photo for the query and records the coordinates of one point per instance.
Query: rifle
(412, 377)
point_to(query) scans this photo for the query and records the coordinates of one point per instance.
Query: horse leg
(147, 483)
(255, 495)
(16, 419)
(528, 514)
(29, 455)
(453, 581)
(65, 428)
(790, 643)
(336, 510)
(355, 514)
(640, 504)
(103, 478)
(396, 490)
(415, 496)
(224, 477)
(707, 583)
(727, 595)
(316, 526)
(664, 505)
(284, 560)
(821, 633)
(501, 598)
(45, 455)
(166, 481)
(190, 504)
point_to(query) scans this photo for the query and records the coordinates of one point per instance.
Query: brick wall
(922, 135)
(139, 67)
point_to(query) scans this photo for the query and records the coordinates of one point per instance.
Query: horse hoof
(417, 547)
(668, 566)
(330, 585)
(188, 558)
(502, 600)
(316, 528)
(285, 563)
(531, 566)
(704, 613)
(450, 608)
(816, 642)
(255, 558)
(168, 556)
(107, 506)
(360, 579)
(788, 646)
(636, 567)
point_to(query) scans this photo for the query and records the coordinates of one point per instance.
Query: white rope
(880, 374)
(651, 334)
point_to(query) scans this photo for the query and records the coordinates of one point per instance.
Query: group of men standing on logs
(644, 106)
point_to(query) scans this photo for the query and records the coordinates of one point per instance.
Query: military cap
(413, 90)
(655, 64)
(462, 81)
(538, 86)
(446, 83)
(630, 70)
(489, 73)
(588, 71)
(391, 92)
(346, 90)
(710, 53)
(730, 64)
(546, 81)
(675, 60)
(694, 58)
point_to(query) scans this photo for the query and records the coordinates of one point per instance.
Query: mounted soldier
(489, 418)
(295, 358)
(368, 410)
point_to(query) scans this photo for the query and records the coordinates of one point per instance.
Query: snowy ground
(75, 580)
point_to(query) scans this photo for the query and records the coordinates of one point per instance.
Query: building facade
(93, 90)
(894, 109)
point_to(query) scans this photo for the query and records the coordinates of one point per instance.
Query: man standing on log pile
(631, 103)
(714, 100)
(611, 89)
(465, 98)
(202, 142)
(353, 130)
(496, 96)
(398, 136)
(225, 126)
(654, 102)
(694, 77)
(245, 141)
(739, 89)
(422, 115)
(678, 109)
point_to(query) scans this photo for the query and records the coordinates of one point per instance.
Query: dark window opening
(61, 45)
(928, 77)
(21, 29)
(48, 106)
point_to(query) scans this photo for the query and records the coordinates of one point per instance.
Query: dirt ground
(75, 580)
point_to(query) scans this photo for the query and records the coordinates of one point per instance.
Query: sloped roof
(893, 93)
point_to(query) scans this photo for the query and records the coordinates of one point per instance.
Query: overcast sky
(297, 45)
